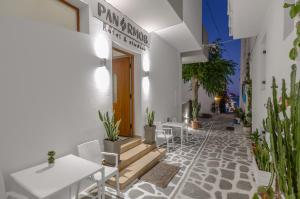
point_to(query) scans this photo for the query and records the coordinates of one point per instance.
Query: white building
(56, 70)
(267, 33)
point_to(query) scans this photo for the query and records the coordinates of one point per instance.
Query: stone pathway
(223, 168)
(184, 159)
(214, 165)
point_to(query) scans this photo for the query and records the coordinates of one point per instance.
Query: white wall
(276, 63)
(203, 98)
(165, 88)
(49, 97)
(192, 17)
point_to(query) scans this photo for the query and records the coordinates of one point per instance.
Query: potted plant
(150, 127)
(247, 123)
(238, 112)
(195, 112)
(213, 76)
(51, 158)
(255, 139)
(112, 143)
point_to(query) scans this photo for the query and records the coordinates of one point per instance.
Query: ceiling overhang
(246, 17)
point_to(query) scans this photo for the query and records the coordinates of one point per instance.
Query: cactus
(283, 124)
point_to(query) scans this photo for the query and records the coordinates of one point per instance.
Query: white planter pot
(247, 129)
(262, 178)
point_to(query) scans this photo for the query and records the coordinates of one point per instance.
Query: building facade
(56, 69)
(267, 34)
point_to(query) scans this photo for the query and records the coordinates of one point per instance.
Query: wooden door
(122, 94)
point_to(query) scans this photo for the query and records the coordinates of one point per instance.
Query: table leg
(101, 188)
(181, 140)
(77, 190)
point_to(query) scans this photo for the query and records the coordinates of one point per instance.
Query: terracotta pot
(195, 124)
(149, 134)
(112, 147)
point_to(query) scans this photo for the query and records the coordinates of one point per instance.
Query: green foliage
(262, 155)
(294, 11)
(51, 158)
(195, 109)
(255, 196)
(150, 117)
(239, 113)
(213, 75)
(110, 125)
(283, 124)
(255, 137)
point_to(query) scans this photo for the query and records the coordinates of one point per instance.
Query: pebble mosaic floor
(215, 164)
(223, 168)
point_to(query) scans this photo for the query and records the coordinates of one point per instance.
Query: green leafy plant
(246, 120)
(255, 137)
(51, 157)
(238, 112)
(195, 110)
(150, 117)
(213, 75)
(111, 126)
(294, 11)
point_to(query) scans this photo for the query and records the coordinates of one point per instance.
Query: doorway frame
(132, 102)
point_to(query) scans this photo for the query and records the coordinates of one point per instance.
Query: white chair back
(91, 151)
(174, 119)
(2, 187)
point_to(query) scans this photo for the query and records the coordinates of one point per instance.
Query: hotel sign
(120, 25)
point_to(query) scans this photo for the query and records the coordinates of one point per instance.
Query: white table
(177, 125)
(43, 181)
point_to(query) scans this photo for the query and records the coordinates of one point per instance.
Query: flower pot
(246, 129)
(51, 164)
(195, 124)
(238, 120)
(149, 134)
(112, 147)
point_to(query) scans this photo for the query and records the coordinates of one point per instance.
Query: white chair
(6, 195)
(164, 134)
(91, 151)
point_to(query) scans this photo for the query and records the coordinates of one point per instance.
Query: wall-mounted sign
(120, 25)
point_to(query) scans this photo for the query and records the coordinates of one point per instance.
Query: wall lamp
(146, 74)
(103, 62)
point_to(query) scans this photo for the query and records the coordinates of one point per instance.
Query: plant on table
(51, 157)
(150, 128)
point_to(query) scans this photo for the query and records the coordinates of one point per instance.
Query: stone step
(134, 154)
(138, 168)
(131, 144)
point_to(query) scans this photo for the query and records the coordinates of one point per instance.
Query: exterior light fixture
(103, 62)
(146, 74)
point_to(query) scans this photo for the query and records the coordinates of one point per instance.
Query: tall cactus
(283, 124)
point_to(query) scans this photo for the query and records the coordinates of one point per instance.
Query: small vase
(51, 164)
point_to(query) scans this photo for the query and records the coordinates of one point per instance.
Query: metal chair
(6, 195)
(91, 151)
(164, 134)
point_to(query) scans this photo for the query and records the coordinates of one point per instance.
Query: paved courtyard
(216, 163)
(223, 169)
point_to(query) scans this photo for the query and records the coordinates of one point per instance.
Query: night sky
(215, 20)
